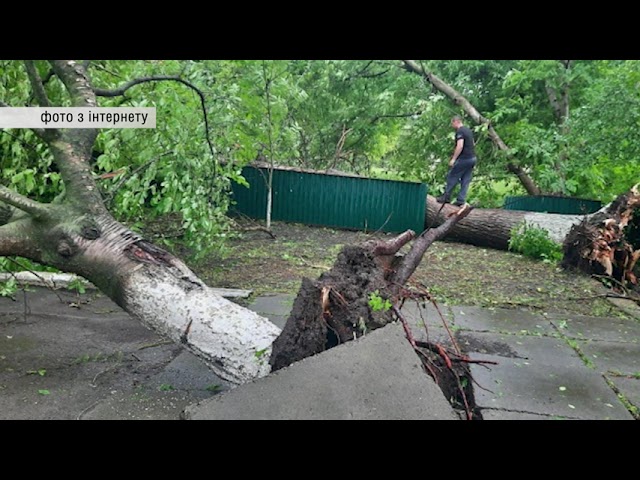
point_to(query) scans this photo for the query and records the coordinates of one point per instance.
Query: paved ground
(81, 357)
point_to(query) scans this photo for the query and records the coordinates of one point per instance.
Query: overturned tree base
(597, 245)
(335, 308)
(355, 296)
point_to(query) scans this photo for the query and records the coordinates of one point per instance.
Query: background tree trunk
(440, 85)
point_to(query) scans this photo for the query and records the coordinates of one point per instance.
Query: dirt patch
(470, 344)
(456, 274)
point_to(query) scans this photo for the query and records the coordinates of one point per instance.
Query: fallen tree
(594, 244)
(76, 233)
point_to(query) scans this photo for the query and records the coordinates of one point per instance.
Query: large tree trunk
(489, 227)
(591, 243)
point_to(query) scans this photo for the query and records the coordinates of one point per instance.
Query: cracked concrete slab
(546, 389)
(542, 350)
(613, 356)
(376, 377)
(547, 377)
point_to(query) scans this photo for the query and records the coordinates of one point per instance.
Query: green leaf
(44, 392)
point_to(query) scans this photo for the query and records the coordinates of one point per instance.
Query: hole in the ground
(455, 381)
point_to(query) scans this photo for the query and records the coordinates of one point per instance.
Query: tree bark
(440, 85)
(487, 227)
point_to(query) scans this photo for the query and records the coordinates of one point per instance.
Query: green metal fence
(333, 200)
(550, 204)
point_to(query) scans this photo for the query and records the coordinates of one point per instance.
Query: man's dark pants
(462, 172)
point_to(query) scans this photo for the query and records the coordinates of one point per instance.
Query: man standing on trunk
(461, 164)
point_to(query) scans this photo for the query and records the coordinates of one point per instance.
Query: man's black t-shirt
(468, 150)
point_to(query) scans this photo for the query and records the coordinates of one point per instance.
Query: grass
(574, 344)
(631, 408)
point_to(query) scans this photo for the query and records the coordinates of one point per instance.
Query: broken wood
(597, 245)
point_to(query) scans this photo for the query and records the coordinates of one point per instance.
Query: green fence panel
(333, 200)
(550, 204)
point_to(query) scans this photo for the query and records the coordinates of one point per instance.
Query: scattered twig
(86, 410)
(405, 325)
(382, 226)
(157, 344)
(112, 367)
(253, 228)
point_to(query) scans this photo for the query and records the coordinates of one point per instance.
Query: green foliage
(8, 288)
(534, 242)
(377, 303)
(362, 116)
(77, 285)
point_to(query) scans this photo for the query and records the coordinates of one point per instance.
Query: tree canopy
(568, 124)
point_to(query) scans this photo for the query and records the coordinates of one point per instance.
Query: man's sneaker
(458, 203)
(442, 199)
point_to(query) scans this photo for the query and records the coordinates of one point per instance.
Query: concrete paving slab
(141, 405)
(501, 320)
(489, 414)
(614, 356)
(546, 377)
(62, 393)
(417, 314)
(553, 390)
(275, 307)
(188, 372)
(375, 377)
(597, 328)
(64, 303)
(68, 363)
(628, 306)
(629, 387)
